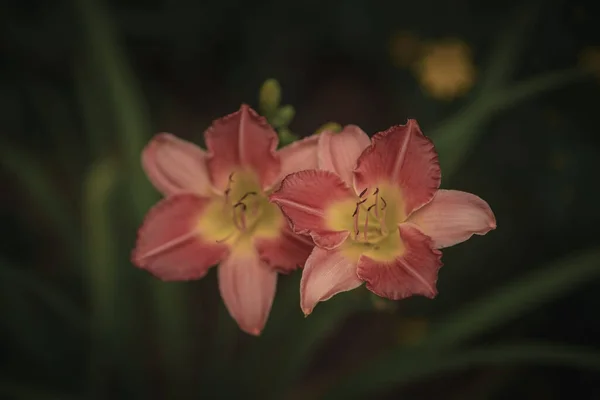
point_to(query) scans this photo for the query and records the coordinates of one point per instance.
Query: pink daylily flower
(216, 210)
(377, 215)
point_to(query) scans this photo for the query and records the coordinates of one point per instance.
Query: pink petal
(414, 272)
(299, 156)
(247, 287)
(403, 156)
(304, 197)
(169, 244)
(287, 252)
(174, 165)
(338, 152)
(453, 217)
(327, 273)
(242, 139)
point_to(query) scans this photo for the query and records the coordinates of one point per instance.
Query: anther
(246, 195)
(363, 192)
(384, 204)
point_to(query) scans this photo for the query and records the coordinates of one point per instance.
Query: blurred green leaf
(508, 302)
(173, 330)
(93, 111)
(133, 127)
(39, 186)
(455, 138)
(32, 284)
(102, 267)
(504, 58)
(131, 119)
(419, 366)
(269, 97)
(530, 291)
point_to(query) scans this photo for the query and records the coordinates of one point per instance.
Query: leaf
(505, 54)
(123, 93)
(38, 185)
(455, 138)
(51, 297)
(508, 302)
(415, 367)
(102, 267)
(133, 127)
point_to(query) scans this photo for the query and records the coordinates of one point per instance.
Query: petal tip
(254, 331)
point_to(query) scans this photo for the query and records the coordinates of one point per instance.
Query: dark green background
(85, 84)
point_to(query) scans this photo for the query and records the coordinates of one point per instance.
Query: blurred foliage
(85, 87)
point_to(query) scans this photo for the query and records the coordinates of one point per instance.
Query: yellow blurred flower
(590, 60)
(404, 49)
(445, 69)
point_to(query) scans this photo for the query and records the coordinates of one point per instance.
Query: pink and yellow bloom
(377, 215)
(216, 210)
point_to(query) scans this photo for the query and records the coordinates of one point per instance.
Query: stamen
(246, 195)
(376, 194)
(366, 231)
(363, 192)
(228, 189)
(383, 228)
(355, 215)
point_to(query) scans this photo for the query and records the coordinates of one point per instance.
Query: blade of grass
(54, 299)
(102, 272)
(46, 197)
(123, 93)
(415, 368)
(504, 57)
(510, 301)
(455, 137)
(133, 126)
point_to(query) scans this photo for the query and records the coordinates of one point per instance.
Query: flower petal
(338, 152)
(304, 198)
(175, 165)
(298, 156)
(412, 273)
(242, 139)
(326, 273)
(169, 244)
(403, 156)
(287, 252)
(453, 217)
(247, 286)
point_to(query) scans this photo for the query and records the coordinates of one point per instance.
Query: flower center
(369, 217)
(243, 212)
